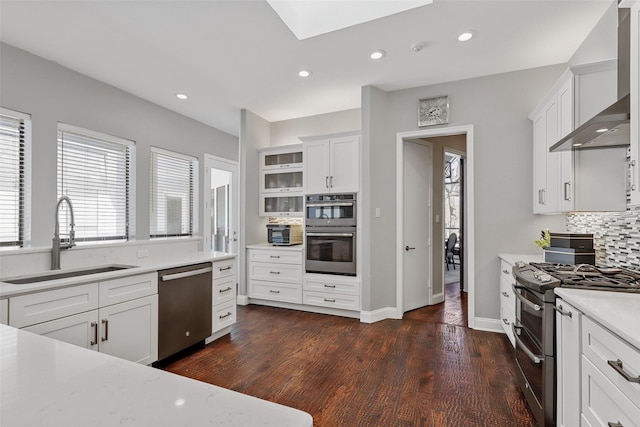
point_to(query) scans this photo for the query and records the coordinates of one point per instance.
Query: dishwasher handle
(190, 273)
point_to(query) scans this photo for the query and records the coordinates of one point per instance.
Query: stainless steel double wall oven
(330, 226)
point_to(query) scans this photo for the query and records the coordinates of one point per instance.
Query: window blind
(14, 135)
(172, 194)
(94, 171)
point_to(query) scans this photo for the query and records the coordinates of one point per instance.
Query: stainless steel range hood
(609, 128)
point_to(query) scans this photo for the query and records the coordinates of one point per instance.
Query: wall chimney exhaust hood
(610, 128)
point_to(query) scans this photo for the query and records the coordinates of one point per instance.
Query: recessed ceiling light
(577, 144)
(377, 54)
(466, 35)
(304, 73)
(181, 96)
(603, 130)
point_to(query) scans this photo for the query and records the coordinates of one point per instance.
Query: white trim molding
(489, 325)
(380, 314)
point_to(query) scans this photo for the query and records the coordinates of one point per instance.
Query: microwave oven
(284, 234)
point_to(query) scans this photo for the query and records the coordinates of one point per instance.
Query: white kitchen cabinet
(568, 362)
(275, 275)
(507, 300)
(331, 291)
(634, 5)
(117, 317)
(225, 275)
(332, 165)
(281, 181)
(559, 177)
(4, 311)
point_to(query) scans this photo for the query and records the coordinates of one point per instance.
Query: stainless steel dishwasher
(184, 307)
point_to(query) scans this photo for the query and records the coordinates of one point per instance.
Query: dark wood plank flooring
(425, 370)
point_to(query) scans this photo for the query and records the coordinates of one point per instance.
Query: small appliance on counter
(284, 234)
(570, 248)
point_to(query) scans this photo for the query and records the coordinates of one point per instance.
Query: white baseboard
(242, 300)
(438, 298)
(380, 314)
(486, 324)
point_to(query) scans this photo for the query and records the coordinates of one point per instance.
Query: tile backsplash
(616, 235)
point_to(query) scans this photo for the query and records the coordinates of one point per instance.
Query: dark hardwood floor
(425, 370)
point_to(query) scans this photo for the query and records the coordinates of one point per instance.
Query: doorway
(436, 293)
(221, 205)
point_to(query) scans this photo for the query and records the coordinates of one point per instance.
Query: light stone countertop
(617, 311)
(513, 258)
(143, 265)
(45, 382)
(295, 248)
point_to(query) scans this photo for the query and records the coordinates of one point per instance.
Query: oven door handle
(535, 358)
(328, 205)
(330, 234)
(525, 301)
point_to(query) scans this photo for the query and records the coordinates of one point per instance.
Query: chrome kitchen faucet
(55, 242)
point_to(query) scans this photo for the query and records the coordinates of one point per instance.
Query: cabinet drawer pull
(227, 268)
(505, 271)
(225, 290)
(505, 321)
(284, 166)
(274, 292)
(329, 300)
(505, 294)
(274, 272)
(105, 322)
(560, 310)
(274, 256)
(618, 424)
(94, 325)
(282, 190)
(617, 366)
(225, 315)
(329, 286)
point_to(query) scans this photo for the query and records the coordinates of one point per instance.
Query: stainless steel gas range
(534, 327)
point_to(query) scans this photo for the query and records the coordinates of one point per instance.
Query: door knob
(408, 248)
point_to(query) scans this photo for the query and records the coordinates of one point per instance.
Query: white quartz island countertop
(44, 382)
(617, 311)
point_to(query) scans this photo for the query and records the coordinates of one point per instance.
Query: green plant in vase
(545, 239)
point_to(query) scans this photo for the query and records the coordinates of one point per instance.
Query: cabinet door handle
(505, 294)
(225, 315)
(560, 310)
(617, 366)
(326, 181)
(612, 424)
(94, 325)
(225, 290)
(105, 322)
(331, 181)
(632, 165)
(567, 191)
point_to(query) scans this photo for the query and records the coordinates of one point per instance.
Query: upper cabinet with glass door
(281, 181)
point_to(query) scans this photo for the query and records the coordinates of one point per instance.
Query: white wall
(602, 42)
(289, 131)
(497, 106)
(52, 94)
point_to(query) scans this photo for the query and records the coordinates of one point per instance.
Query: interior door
(417, 225)
(221, 205)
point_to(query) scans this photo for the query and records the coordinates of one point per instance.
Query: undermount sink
(43, 277)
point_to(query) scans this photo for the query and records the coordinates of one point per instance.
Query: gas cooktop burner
(585, 276)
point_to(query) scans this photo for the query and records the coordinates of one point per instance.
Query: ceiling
(230, 55)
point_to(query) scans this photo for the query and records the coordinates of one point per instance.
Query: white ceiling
(229, 55)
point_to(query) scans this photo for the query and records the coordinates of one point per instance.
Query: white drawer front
(332, 286)
(224, 290)
(507, 298)
(25, 310)
(276, 291)
(224, 315)
(127, 288)
(276, 256)
(508, 317)
(276, 272)
(601, 346)
(344, 302)
(226, 268)
(505, 271)
(79, 329)
(602, 401)
(4, 311)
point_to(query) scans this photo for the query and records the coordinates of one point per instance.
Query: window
(95, 172)
(173, 194)
(15, 141)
